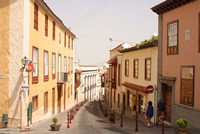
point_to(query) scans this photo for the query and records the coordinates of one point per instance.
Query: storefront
(138, 96)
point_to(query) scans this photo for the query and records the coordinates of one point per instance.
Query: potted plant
(182, 123)
(55, 126)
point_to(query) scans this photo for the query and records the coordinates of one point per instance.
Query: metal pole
(21, 107)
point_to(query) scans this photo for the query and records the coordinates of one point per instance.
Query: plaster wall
(39, 40)
(188, 55)
(4, 46)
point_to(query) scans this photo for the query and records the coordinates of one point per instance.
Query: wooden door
(64, 96)
(59, 100)
(167, 101)
(53, 101)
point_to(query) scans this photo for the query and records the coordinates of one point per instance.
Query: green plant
(181, 122)
(55, 120)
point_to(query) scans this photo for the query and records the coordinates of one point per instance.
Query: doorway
(53, 101)
(59, 99)
(167, 98)
(124, 102)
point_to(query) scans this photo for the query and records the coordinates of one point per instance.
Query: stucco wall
(18, 48)
(141, 55)
(4, 46)
(187, 16)
(42, 42)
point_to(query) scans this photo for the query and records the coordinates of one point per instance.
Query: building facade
(114, 81)
(89, 79)
(139, 77)
(178, 66)
(31, 28)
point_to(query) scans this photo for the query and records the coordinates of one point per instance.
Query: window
(65, 40)
(35, 64)
(199, 32)
(45, 102)
(72, 44)
(148, 69)
(68, 42)
(135, 68)
(35, 16)
(172, 34)
(35, 103)
(68, 64)
(46, 66)
(59, 37)
(187, 86)
(59, 62)
(119, 74)
(53, 65)
(71, 65)
(54, 30)
(126, 67)
(46, 24)
(65, 64)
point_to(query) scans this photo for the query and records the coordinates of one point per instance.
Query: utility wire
(92, 13)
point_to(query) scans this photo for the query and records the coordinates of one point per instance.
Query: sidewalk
(129, 124)
(41, 127)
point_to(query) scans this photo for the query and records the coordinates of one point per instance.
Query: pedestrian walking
(149, 113)
(133, 103)
(160, 109)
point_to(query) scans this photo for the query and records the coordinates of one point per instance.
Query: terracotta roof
(168, 5)
(113, 60)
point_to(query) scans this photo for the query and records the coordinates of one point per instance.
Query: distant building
(178, 59)
(89, 79)
(30, 28)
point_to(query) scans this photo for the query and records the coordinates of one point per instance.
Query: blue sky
(95, 21)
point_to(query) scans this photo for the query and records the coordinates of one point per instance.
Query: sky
(95, 22)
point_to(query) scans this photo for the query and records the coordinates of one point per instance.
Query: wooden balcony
(62, 77)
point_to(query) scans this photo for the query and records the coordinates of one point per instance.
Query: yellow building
(31, 29)
(139, 76)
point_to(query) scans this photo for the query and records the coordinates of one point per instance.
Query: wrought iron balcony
(62, 77)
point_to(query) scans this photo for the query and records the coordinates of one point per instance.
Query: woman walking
(149, 113)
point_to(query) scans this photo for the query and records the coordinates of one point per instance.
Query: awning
(113, 60)
(148, 89)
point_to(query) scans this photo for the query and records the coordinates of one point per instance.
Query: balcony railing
(62, 77)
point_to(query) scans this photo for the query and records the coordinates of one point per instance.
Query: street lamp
(24, 87)
(24, 61)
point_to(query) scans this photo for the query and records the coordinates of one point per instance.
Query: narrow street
(88, 120)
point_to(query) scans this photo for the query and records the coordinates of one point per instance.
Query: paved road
(89, 120)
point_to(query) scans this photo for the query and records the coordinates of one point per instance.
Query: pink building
(179, 59)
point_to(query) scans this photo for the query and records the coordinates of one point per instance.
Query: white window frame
(35, 61)
(46, 63)
(53, 63)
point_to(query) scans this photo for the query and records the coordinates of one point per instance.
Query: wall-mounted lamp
(24, 61)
